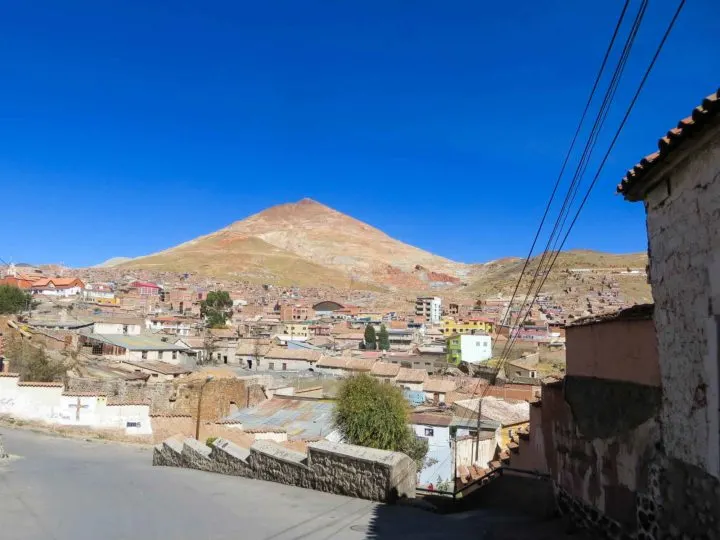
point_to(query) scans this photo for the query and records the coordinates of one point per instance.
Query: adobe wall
(354, 471)
(684, 243)
(599, 439)
(590, 346)
(683, 225)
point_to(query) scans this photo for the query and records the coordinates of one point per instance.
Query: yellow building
(470, 326)
(298, 330)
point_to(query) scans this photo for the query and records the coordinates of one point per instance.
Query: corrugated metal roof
(300, 418)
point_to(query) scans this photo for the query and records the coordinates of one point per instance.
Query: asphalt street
(68, 489)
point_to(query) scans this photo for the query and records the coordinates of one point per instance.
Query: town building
(429, 308)
(57, 287)
(326, 308)
(156, 371)
(118, 325)
(295, 312)
(296, 330)
(99, 293)
(471, 349)
(467, 326)
(169, 325)
(144, 288)
(134, 347)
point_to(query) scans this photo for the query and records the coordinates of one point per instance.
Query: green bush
(210, 440)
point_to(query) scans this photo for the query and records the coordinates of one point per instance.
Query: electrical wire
(611, 146)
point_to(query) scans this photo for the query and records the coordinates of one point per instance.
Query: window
(132, 424)
(174, 355)
(271, 366)
(160, 355)
(144, 355)
(429, 432)
(284, 366)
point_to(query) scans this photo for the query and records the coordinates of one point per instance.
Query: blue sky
(127, 127)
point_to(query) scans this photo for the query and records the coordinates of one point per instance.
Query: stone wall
(354, 471)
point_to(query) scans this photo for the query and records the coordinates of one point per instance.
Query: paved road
(67, 489)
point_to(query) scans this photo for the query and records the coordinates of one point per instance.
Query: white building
(125, 327)
(429, 307)
(136, 348)
(98, 291)
(171, 325)
(475, 349)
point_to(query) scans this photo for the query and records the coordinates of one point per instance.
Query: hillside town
(301, 373)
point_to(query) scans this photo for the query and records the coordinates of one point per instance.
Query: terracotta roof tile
(410, 375)
(42, 384)
(706, 114)
(83, 394)
(385, 369)
(439, 385)
(9, 375)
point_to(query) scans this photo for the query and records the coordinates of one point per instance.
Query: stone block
(196, 455)
(229, 458)
(168, 453)
(273, 462)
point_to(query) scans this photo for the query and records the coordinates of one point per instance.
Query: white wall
(116, 328)
(70, 291)
(440, 452)
(292, 365)
(475, 349)
(48, 404)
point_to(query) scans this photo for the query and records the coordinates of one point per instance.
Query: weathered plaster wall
(633, 341)
(598, 460)
(683, 224)
(333, 467)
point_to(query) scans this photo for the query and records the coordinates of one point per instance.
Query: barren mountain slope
(308, 235)
(227, 255)
(500, 277)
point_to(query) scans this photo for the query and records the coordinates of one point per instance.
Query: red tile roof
(44, 384)
(703, 116)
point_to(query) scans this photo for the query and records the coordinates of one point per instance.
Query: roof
(439, 385)
(282, 353)
(146, 284)
(300, 418)
(42, 384)
(529, 363)
(58, 283)
(140, 342)
(333, 362)
(225, 333)
(679, 138)
(507, 412)
(361, 364)
(411, 375)
(431, 419)
(385, 369)
(161, 367)
(639, 312)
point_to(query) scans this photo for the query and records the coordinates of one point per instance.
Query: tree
(13, 299)
(383, 339)
(32, 363)
(375, 414)
(216, 308)
(370, 338)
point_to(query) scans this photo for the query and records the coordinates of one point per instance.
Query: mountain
(307, 243)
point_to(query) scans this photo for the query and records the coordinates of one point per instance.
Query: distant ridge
(115, 261)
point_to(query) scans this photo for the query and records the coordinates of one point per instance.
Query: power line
(612, 144)
(584, 160)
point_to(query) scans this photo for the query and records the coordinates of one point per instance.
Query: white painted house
(475, 349)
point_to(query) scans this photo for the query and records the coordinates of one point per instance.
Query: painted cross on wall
(77, 407)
